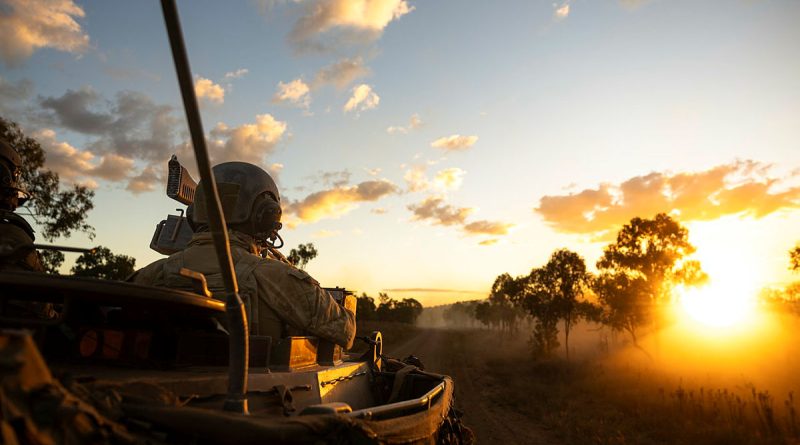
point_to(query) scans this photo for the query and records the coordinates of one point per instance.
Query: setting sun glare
(719, 304)
(729, 297)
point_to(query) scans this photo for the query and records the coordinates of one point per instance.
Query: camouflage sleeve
(23, 256)
(303, 304)
(152, 274)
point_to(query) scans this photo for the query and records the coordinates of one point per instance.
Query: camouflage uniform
(278, 297)
(16, 239)
(16, 235)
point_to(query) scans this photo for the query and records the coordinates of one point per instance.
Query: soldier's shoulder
(149, 274)
(281, 270)
(13, 221)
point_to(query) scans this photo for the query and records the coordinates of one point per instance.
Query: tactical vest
(261, 319)
(17, 235)
(9, 217)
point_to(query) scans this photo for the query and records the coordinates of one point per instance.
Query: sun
(719, 304)
(728, 298)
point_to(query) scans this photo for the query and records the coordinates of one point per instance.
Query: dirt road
(463, 354)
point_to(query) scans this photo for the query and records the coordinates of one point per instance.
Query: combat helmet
(250, 201)
(10, 187)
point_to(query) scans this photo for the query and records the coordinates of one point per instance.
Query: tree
(302, 255)
(58, 210)
(461, 313)
(385, 310)
(653, 249)
(483, 313)
(365, 307)
(505, 290)
(407, 310)
(564, 279)
(639, 271)
(794, 259)
(101, 263)
(620, 296)
(51, 260)
(539, 300)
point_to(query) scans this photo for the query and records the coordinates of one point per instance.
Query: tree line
(786, 299)
(635, 279)
(406, 310)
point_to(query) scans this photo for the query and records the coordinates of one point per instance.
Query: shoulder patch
(301, 275)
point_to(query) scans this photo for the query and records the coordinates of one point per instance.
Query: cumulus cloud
(72, 164)
(455, 142)
(207, 90)
(241, 72)
(415, 178)
(392, 129)
(14, 96)
(74, 110)
(488, 242)
(435, 210)
(113, 167)
(144, 181)
(296, 93)
(341, 73)
(414, 123)
(131, 124)
(444, 180)
(32, 24)
(743, 188)
(363, 98)
(379, 211)
(337, 201)
(484, 227)
(449, 179)
(248, 142)
(335, 178)
(344, 22)
(14, 91)
(560, 12)
(81, 166)
(132, 129)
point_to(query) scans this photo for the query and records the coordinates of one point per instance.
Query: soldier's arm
(302, 303)
(152, 274)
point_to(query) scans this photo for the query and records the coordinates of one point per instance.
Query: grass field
(725, 391)
(591, 402)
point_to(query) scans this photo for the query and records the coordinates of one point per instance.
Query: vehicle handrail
(391, 409)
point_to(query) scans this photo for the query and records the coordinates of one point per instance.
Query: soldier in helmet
(16, 235)
(280, 299)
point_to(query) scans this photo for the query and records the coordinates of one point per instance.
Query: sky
(427, 147)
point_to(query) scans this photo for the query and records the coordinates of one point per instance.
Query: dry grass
(593, 403)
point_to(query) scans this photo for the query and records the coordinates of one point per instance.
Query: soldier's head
(11, 193)
(250, 200)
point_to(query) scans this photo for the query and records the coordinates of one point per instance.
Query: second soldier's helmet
(249, 197)
(10, 174)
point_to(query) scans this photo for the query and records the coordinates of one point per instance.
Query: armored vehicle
(93, 361)
(126, 363)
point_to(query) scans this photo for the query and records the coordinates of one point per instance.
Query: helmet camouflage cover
(239, 184)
